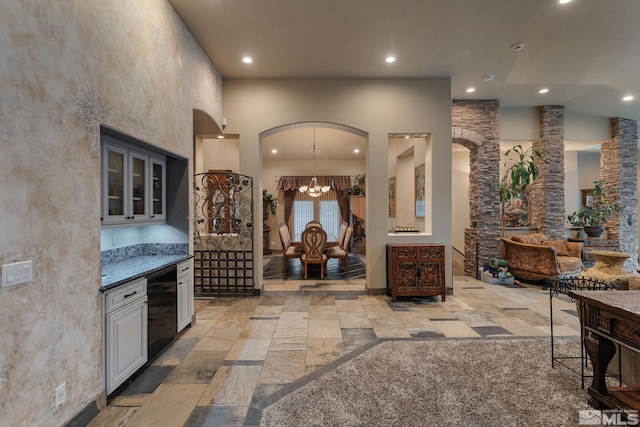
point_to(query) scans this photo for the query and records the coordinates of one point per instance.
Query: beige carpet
(502, 382)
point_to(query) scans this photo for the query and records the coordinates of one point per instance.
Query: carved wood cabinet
(415, 270)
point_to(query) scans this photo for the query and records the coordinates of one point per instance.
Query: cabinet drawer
(124, 294)
(185, 267)
(620, 328)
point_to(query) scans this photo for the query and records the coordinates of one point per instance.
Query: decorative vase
(581, 234)
(594, 231)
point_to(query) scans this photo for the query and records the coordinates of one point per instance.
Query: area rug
(336, 269)
(502, 382)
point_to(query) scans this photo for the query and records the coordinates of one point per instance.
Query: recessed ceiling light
(628, 98)
(471, 89)
(356, 150)
(220, 136)
(543, 90)
(390, 59)
(406, 137)
(488, 77)
(247, 60)
(564, 1)
(274, 151)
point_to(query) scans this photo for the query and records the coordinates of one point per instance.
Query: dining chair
(313, 241)
(342, 251)
(288, 250)
(341, 233)
(313, 223)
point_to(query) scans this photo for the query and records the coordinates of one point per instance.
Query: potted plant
(357, 187)
(270, 202)
(522, 172)
(594, 216)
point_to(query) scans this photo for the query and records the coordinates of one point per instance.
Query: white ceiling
(297, 144)
(587, 52)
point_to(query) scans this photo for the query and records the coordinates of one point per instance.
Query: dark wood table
(610, 319)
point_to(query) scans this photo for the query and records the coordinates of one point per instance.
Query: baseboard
(86, 415)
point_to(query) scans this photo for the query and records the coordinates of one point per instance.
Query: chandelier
(314, 189)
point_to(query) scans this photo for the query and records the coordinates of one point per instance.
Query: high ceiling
(586, 52)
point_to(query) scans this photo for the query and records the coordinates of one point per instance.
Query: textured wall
(66, 68)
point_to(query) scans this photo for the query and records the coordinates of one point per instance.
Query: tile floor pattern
(242, 350)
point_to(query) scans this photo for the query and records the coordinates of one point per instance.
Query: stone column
(476, 125)
(619, 170)
(546, 197)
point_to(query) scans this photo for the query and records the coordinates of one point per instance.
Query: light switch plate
(17, 273)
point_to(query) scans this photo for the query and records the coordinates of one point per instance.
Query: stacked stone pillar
(546, 197)
(476, 125)
(619, 170)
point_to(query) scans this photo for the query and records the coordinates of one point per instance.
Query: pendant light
(314, 189)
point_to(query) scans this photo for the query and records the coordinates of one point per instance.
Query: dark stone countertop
(628, 301)
(123, 271)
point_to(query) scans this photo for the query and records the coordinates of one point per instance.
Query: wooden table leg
(601, 351)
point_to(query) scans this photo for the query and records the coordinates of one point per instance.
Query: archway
(340, 155)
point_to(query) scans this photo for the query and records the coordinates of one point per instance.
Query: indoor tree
(521, 172)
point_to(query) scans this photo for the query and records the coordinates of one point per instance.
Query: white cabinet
(126, 319)
(185, 293)
(133, 184)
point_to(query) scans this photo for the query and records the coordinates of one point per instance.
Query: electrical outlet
(273, 243)
(60, 394)
(114, 240)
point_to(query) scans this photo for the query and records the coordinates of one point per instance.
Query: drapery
(290, 185)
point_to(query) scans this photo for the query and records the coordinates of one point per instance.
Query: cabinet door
(139, 167)
(157, 181)
(114, 180)
(185, 294)
(126, 342)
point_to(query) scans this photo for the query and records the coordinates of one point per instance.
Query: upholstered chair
(342, 251)
(288, 251)
(313, 241)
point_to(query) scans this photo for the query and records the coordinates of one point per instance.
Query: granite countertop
(119, 272)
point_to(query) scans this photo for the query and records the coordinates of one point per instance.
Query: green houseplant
(357, 187)
(522, 171)
(594, 216)
(269, 202)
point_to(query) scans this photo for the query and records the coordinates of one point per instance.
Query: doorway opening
(292, 155)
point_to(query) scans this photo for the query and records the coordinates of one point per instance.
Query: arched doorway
(288, 160)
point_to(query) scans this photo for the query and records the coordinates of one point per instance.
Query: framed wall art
(419, 190)
(392, 196)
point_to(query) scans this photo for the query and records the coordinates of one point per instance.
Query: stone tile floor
(242, 350)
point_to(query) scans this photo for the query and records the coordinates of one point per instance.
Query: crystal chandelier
(314, 189)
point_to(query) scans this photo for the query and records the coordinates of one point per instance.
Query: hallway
(222, 370)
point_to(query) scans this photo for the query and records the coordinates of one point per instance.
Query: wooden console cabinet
(415, 270)
(610, 319)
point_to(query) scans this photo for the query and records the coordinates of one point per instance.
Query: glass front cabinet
(133, 185)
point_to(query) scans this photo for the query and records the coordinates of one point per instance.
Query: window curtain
(290, 184)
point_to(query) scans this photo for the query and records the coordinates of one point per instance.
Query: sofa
(534, 257)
